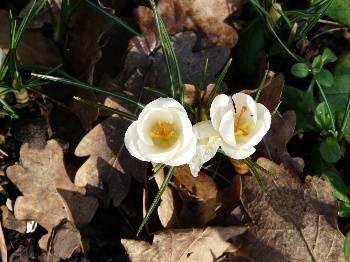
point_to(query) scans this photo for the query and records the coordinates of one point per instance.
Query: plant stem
(345, 119)
(334, 131)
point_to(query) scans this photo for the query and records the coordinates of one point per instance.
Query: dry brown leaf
(49, 196)
(142, 69)
(275, 141)
(33, 40)
(109, 167)
(177, 245)
(272, 93)
(200, 197)
(208, 19)
(10, 222)
(85, 52)
(231, 199)
(64, 241)
(296, 221)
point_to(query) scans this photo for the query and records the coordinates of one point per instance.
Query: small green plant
(11, 81)
(324, 117)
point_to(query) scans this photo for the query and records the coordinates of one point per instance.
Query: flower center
(163, 134)
(241, 126)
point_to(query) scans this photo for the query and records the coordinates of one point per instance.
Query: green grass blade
(218, 83)
(320, 10)
(78, 83)
(261, 86)
(334, 131)
(345, 119)
(156, 199)
(204, 74)
(114, 18)
(96, 105)
(174, 74)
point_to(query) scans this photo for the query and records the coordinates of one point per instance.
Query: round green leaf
(325, 78)
(322, 117)
(330, 150)
(300, 70)
(328, 56)
(317, 64)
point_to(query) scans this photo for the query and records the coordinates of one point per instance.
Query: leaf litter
(49, 196)
(199, 219)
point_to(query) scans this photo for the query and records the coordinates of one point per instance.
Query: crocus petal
(186, 125)
(265, 115)
(241, 99)
(157, 154)
(204, 130)
(207, 145)
(130, 140)
(220, 105)
(227, 128)
(204, 152)
(236, 153)
(164, 102)
(184, 155)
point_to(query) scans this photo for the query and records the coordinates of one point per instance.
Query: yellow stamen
(163, 134)
(241, 128)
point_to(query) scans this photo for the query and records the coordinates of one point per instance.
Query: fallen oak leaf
(179, 245)
(108, 170)
(49, 196)
(207, 19)
(142, 69)
(294, 221)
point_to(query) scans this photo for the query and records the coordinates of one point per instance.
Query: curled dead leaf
(275, 141)
(271, 96)
(64, 241)
(200, 197)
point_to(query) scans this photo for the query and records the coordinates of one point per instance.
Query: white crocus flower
(162, 134)
(240, 122)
